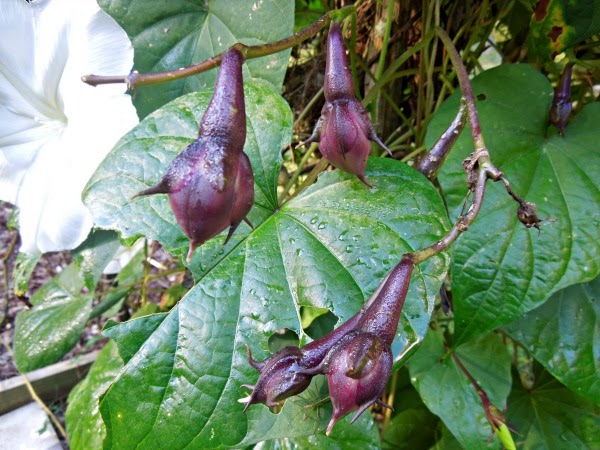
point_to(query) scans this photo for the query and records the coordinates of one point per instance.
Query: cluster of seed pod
(211, 187)
(356, 357)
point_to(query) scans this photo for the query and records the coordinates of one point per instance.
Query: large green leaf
(142, 156)
(85, 428)
(328, 247)
(167, 35)
(557, 25)
(49, 330)
(130, 335)
(551, 417)
(447, 391)
(562, 334)
(501, 269)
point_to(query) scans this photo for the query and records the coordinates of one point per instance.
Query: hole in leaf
(481, 97)
(283, 338)
(317, 322)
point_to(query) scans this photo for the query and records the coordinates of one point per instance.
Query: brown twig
(136, 79)
(478, 165)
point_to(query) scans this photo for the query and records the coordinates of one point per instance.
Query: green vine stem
(494, 416)
(136, 79)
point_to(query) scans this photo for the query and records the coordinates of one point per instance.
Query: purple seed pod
(279, 378)
(280, 374)
(356, 357)
(382, 316)
(344, 128)
(243, 195)
(211, 184)
(358, 367)
(562, 107)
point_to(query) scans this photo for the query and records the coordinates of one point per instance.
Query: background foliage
(524, 304)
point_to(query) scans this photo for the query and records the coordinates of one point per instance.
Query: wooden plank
(50, 383)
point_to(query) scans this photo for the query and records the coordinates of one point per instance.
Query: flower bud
(279, 378)
(210, 184)
(344, 128)
(358, 367)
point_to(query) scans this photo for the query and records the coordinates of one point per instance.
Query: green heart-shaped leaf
(329, 247)
(85, 428)
(49, 330)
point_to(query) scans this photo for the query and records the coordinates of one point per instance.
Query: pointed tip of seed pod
(257, 365)
(362, 178)
(190, 253)
(162, 187)
(373, 137)
(232, 229)
(334, 419)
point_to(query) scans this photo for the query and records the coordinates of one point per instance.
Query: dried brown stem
(136, 79)
(478, 165)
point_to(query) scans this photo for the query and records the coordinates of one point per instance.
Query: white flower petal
(123, 256)
(54, 129)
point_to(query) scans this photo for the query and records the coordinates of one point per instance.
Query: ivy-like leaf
(85, 428)
(447, 391)
(47, 332)
(557, 25)
(562, 334)
(550, 416)
(179, 33)
(500, 269)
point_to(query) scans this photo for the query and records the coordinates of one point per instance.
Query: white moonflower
(54, 129)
